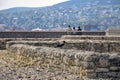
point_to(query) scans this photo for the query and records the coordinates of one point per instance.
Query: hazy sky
(4, 4)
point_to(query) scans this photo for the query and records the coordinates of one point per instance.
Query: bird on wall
(60, 44)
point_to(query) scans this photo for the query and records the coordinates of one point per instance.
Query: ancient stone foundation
(90, 57)
(87, 64)
(86, 45)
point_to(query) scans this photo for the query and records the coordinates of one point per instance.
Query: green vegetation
(92, 12)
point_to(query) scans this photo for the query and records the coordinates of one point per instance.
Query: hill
(18, 9)
(100, 13)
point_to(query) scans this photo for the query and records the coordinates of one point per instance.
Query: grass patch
(17, 60)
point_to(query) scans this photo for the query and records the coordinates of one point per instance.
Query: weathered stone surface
(92, 58)
(83, 37)
(113, 31)
(113, 74)
(115, 69)
(88, 65)
(103, 75)
(102, 70)
(114, 60)
(118, 75)
(103, 60)
(90, 71)
(87, 45)
(92, 65)
(92, 75)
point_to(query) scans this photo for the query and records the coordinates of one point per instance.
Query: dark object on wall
(60, 44)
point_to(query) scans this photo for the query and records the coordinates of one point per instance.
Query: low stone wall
(89, 65)
(86, 45)
(113, 31)
(4, 41)
(94, 45)
(33, 43)
(83, 37)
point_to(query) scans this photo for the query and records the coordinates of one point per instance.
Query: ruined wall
(4, 41)
(89, 65)
(113, 31)
(84, 37)
(86, 45)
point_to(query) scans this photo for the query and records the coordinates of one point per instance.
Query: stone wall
(94, 45)
(113, 31)
(86, 45)
(84, 37)
(30, 34)
(88, 65)
(3, 41)
(45, 34)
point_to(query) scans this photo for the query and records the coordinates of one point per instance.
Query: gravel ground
(17, 68)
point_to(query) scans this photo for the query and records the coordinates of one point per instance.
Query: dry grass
(16, 60)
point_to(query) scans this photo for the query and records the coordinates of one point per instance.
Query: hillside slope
(100, 13)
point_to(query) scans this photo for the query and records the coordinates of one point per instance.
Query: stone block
(114, 60)
(89, 70)
(118, 75)
(112, 74)
(88, 65)
(101, 70)
(80, 55)
(103, 61)
(103, 75)
(92, 58)
(91, 75)
(115, 69)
